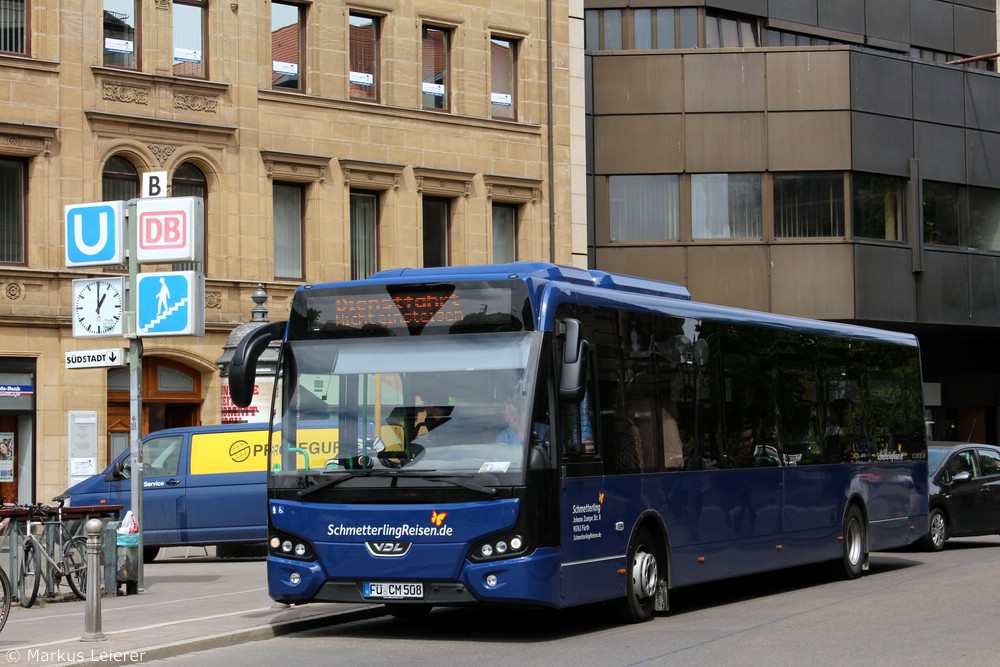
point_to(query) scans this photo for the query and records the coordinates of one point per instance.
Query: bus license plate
(393, 591)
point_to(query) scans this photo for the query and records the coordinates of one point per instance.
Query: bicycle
(72, 564)
(5, 588)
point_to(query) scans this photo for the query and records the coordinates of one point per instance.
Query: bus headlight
(499, 546)
(289, 546)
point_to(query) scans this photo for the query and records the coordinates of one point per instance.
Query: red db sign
(170, 229)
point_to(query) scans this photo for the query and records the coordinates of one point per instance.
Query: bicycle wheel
(74, 565)
(7, 594)
(31, 562)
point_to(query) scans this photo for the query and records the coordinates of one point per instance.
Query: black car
(964, 490)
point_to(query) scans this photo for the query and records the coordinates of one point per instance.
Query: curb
(128, 656)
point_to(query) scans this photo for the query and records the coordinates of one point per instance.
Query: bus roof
(552, 284)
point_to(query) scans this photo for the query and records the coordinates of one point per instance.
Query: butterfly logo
(600, 497)
(437, 518)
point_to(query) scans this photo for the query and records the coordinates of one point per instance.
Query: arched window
(120, 180)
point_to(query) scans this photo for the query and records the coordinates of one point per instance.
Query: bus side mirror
(243, 368)
(573, 378)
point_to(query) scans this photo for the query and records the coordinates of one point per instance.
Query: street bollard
(92, 619)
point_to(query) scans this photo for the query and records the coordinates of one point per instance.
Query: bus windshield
(370, 408)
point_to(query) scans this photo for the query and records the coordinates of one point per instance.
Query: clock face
(97, 307)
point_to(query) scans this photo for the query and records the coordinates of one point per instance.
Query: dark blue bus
(532, 434)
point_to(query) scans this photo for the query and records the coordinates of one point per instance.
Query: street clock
(98, 307)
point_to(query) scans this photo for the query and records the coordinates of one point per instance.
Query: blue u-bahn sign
(95, 233)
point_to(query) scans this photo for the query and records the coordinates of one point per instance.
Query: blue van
(202, 485)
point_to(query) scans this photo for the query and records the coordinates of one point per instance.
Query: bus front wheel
(853, 538)
(642, 577)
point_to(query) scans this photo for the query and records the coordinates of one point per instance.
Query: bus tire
(642, 574)
(854, 543)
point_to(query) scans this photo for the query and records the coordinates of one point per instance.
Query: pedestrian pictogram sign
(170, 229)
(95, 233)
(170, 304)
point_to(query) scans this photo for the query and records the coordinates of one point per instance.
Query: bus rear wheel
(853, 539)
(642, 577)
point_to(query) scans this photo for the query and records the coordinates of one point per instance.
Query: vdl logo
(388, 548)
(95, 233)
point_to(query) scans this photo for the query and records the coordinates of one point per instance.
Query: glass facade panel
(984, 218)
(726, 206)
(642, 29)
(808, 204)
(644, 207)
(665, 29)
(878, 206)
(612, 29)
(941, 213)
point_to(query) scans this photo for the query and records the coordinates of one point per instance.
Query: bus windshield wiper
(456, 480)
(345, 475)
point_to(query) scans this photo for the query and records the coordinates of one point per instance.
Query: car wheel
(938, 531)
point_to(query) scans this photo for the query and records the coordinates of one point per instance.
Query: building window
(288, 223)
(504, 233)
(364, 234)
(941, 213)
(287, 46)
(189, 181)
(984, 218)
(808, 204)
(640, 28)
(364, 38)
(119, 180)
(644, 207)
(436, 216)
(13, 190)
(877, 206)
(503, 78)
(435, 45)
(786, 38)
(13, 32)
(189, 38)
(730, 30)
(726, 206)
(121, 48)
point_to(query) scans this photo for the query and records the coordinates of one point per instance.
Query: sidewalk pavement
(191, 601)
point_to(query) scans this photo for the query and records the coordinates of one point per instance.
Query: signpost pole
(135, 383)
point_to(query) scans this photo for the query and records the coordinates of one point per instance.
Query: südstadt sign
(109, 358)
